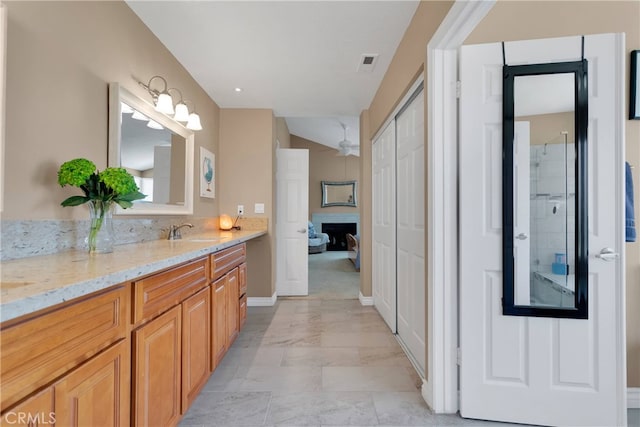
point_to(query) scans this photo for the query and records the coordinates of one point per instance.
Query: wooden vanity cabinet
(157, 349)
(69, 364)
(228, 275)
(242, 293)
(233, 307)
(218, 321)
(196, 339)
(36, 410)
(96, 393)
(134, 354)
(170, 350)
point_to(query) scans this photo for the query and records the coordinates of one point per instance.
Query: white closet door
(410, 213)
(384, 225)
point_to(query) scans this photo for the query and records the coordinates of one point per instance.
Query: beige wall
(407, 65)
(532, 19)
(246, 171)
(408, 61)
(60, 58)
(324, 165)
(282, 133)
(547, 128)
(366, 207)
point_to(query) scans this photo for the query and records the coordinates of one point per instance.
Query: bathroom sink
(206, 240)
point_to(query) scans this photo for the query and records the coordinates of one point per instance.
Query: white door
(410, 219)
(530, 369)
(522, 213)
(292, 243)
(383, 260)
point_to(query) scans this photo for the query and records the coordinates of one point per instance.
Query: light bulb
(182, 113)
(164, 103)
(194, 122)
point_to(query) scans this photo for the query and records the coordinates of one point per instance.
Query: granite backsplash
(21, 239)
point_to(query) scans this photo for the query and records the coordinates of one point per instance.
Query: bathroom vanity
(128, 338)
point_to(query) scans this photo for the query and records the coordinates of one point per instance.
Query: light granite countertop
(31, 284)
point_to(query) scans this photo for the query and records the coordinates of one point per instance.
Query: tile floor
(313, 363)
(323, 360)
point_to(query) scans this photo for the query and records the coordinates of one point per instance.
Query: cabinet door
(243, 310)
(196, 345)
(156, 375)
(233, 306)
(219, 320)
(97, 393)
(35, 411)
(242, 279)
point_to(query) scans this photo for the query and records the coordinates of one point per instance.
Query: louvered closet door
(384, 225)
(410, 220)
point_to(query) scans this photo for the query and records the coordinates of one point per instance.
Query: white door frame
(440, 389)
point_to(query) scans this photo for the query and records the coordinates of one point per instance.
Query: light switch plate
(240, 209)
(259, 208)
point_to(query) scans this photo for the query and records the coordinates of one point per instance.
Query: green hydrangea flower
(75, 172)
(111, 185)
(118, 180)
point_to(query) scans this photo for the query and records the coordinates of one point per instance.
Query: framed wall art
(634, 85)
(207, 173)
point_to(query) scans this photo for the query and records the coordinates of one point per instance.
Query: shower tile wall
(552, 205)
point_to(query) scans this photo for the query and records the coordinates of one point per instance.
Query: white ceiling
(299, 58)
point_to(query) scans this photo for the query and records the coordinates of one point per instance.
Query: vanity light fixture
(238, 89)
(161, 98)
(182, 112)
(194, 119)
(163, 102)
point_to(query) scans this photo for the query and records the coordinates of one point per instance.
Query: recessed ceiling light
(238, 89)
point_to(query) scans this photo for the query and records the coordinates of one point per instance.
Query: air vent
(367, 62)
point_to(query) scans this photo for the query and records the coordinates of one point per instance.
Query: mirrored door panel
(543, 108)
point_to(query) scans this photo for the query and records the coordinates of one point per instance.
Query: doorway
(332, 276)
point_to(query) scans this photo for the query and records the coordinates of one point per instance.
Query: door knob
(522, 236)
(302, 230)
(607, 254)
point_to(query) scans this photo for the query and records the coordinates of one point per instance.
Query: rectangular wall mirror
(339, 193)
(545, 190)
(156, 150)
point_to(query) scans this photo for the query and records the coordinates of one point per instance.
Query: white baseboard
(365, 300)
(262, 301)
(633, 397)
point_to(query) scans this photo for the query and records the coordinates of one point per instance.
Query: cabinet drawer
(226, 259)
(38, 350)
(156, 294)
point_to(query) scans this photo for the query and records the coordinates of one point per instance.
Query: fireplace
(338, 234)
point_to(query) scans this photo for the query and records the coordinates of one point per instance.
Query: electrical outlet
(240, 209)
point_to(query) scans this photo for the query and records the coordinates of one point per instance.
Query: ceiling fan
(346, 147)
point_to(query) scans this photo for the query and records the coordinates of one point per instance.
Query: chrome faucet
(174, 231)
